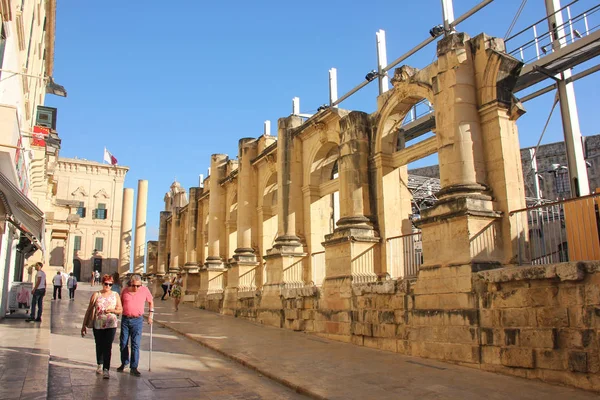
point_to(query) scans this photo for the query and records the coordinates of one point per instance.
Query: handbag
(90, 314)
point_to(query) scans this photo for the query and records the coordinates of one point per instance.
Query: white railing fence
(405, 255)
(565, 230)
(247, 281)
(318, 267)
(216, 284)
(292, 275)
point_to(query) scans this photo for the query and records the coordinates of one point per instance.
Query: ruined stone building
(314, 230)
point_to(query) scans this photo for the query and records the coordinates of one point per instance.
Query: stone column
(465, 209)
(174, 240)
(350, 251)
(286, 254)
(216, 211)
(286, 235)
(69, 251)
(139, 247)
(162, 243)
(191, 265)
(126, 232)
(244, 259)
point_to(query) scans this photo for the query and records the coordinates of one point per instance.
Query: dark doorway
(98, 265)
(77, 269)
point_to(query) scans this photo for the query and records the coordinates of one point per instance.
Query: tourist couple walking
(104, 307)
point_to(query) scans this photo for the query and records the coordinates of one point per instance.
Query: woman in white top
(177, 290)
(107, 305)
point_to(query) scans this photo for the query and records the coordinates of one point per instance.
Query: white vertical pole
(267, 128)
(333, 93)
(382, 61)
(537, 44)
(296, 106)
(568, 109)
(201, 180)
(536, 182)
(448, 14)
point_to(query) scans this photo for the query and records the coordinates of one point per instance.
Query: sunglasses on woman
(107, 284)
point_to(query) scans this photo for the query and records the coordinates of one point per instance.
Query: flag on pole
(109, 158)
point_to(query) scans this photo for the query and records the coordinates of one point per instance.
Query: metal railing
(363, 267)
(536, 40)
(247, 281)
(292, 275)
(216, 284)
(318, 267)
(565, 230)
(405, 255)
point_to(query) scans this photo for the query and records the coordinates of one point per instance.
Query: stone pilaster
(126, 232)
(216, 211)
(496, 76)
(139, 247)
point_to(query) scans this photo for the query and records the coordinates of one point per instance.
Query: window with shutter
(81, 210)
(101, 211)
(77, 243)
(99, 244)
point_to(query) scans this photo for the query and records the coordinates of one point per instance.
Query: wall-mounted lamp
(437, 31)
(371, 75)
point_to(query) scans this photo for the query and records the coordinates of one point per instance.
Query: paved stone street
(335, 370)
(180, 367)
(246, 362)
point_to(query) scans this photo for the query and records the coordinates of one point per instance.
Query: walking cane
(150, 357)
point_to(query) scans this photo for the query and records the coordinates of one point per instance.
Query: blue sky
(163, 85)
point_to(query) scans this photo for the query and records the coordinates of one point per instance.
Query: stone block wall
(539, 322)
(542, 322)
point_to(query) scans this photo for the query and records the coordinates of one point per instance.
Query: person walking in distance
(103, 309)
(72, 286)
(133, 298)
(177, 290)
(117, 283)
(57, 282)
(166, 287)
(39, 291)
(93, 278)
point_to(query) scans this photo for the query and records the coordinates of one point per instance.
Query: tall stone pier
(139, 247)
(126, 232)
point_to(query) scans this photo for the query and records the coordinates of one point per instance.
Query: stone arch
(393, 111)
(321, 163)
(393, 197)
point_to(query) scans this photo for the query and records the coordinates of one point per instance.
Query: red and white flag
(109, 158)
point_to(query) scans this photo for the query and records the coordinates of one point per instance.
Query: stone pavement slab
(180, 367)
(24, 355)
(328, 369)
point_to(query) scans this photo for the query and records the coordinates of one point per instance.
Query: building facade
(83, 220)
(315, 231)
(28, 137)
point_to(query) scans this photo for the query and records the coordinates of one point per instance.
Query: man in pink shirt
(133, 298)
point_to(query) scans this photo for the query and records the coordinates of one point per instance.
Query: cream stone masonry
(139, 249)
(126, 232)
(317, 230)
(84, 232)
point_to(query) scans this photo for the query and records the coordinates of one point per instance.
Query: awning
(22, 212)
